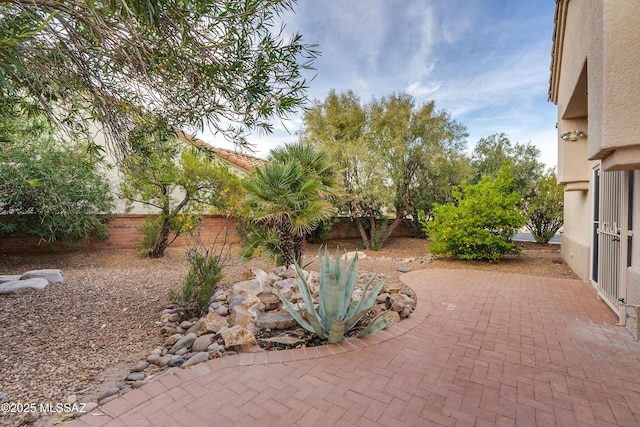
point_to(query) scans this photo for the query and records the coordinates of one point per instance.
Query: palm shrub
(337, 313)
(291, 194)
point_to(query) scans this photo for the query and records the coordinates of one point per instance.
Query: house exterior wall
(575, 245)
(594, 76)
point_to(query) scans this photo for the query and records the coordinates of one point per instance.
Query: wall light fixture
(573, 135)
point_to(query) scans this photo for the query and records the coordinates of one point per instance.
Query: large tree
(496, 150)
(388, 149)
(224, 64)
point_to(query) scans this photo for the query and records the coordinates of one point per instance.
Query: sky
(484, 61)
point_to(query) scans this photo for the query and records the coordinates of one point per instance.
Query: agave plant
(336, 313)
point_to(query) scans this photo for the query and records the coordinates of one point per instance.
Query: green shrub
(150, 230)
(481, 221)
(200, 284)
(336, 313)
(544, 209)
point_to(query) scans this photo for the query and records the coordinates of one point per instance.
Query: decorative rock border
(227, 329)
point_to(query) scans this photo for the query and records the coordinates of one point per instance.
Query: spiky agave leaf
(336, 332)
(367, 301)
(298, 318)
(377, 324)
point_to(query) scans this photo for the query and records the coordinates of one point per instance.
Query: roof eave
(560, 20)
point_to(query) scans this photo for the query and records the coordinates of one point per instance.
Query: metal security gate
(609, 191)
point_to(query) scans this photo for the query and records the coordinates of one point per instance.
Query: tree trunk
(287, 246)
(363, 233)
(372, 231)
(162, 241)
(396, 222)
(297, 248)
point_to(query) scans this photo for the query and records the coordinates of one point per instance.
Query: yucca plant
(337, 314)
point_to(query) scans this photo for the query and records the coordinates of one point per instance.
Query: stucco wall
(576, 238)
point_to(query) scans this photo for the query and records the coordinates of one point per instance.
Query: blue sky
(484, 61)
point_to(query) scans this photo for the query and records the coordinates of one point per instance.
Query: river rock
(185, 341)
(140, 366)
(176, 362)
(108, 392)
(238, 337)
(52, 275)
(397, 303)
(223, 310)
(406, 311)
(202, 343)
(186, 325)
(275, 320)
(166, 359)
(173, 339)
(194, 328)
(196, 358)
(9, 278)
(352, 255)
(136, 376)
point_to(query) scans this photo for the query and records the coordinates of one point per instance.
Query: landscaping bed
(73, 340)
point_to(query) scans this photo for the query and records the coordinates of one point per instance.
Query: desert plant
(292, 193)
(205, 273)
(337, 313)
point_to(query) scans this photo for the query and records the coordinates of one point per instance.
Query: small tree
(49, 189)
(480, 223)
(178, 180)
(544, 209)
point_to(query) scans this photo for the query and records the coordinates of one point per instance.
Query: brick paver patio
(482, 349)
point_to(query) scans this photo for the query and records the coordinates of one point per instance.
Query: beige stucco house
(595, 82)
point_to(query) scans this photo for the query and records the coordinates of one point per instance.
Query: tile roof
(242, 160)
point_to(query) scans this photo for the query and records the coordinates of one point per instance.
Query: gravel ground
(81, 337)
